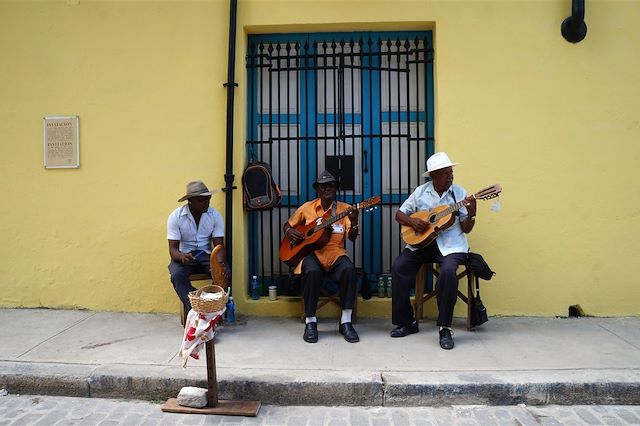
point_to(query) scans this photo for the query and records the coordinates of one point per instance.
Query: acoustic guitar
(440, 218)
(317, 234)
(217, 269)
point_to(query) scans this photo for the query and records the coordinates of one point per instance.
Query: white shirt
(425, 197)
(181, 226)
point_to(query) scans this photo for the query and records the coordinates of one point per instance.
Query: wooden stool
(192, 278)
(326, 298)
(421, 297)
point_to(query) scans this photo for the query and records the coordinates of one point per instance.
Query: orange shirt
(310, 212)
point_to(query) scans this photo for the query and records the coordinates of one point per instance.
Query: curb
(327, 387)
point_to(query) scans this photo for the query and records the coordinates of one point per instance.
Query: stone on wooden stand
(214, 406)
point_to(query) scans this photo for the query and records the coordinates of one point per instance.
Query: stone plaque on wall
(61, 142)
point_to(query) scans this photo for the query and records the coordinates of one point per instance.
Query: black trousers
(180, 277)
(404, 270)
(342, 271)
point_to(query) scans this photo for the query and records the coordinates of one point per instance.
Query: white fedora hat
(437, 161)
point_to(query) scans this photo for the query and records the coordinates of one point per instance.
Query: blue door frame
(372, 119)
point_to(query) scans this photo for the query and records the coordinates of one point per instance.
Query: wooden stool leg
(419, 292)
(354, 313)
(470, 279)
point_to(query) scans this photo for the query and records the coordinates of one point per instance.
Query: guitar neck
(451, 209)
(484, 194)
(332, 220)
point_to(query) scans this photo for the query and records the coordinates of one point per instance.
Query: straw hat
(439, 160)
(197, 188)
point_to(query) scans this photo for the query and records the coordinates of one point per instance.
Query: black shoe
(405, 330)
(349, 333)
(310, 332)
(446, 341)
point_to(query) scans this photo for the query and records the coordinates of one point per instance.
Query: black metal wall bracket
(574, 29)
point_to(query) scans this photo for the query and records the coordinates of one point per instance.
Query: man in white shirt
(193, 230)
(449, 249)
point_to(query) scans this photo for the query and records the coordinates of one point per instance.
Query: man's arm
(176, 255)
(291, 232)
(418, 225)
(353, 226)
(470, 220)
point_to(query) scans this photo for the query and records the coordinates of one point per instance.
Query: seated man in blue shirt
(193, 230)
(449, 249)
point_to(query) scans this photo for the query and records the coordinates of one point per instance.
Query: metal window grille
(357, 104)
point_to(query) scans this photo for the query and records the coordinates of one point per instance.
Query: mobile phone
(198, 253)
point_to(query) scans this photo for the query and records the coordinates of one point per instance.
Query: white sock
(346, 316)
(307, 320)
(448, 328)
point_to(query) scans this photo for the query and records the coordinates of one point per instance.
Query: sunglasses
(327, 185)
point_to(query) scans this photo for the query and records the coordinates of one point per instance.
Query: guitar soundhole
(432, 219)
(310, 232)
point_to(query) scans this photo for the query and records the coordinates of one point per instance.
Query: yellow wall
(555, 123)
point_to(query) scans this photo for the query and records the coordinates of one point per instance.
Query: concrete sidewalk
(508, 360)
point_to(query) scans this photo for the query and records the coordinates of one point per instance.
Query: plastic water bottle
(389, 286)
(255, 288)
(380, 286)
(231, 311)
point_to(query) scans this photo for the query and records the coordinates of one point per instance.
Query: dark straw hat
(325, 177)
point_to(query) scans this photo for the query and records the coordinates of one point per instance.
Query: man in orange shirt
(331, 260)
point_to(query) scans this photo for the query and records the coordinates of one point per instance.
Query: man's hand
(294, 235)
(353, 216)
(470, 204)
(419, 225)
(187, 258)
(226, 271)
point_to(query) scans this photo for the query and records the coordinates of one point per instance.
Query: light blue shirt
(425, 197)
(181, 226)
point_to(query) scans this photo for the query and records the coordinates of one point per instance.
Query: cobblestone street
(49, 410)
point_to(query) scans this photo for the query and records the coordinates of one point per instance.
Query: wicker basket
(205, 306)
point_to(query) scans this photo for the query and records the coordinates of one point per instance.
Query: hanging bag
(478, 311)
(480, 269)
(260, 191)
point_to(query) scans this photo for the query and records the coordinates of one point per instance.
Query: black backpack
(260, 192)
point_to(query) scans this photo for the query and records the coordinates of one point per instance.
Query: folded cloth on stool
(479, 266)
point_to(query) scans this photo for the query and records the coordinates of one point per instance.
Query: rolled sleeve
(218, 226)
(410, 205)
(173, 229)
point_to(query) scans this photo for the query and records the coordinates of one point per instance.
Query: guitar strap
(334, 209)
(453, 195)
